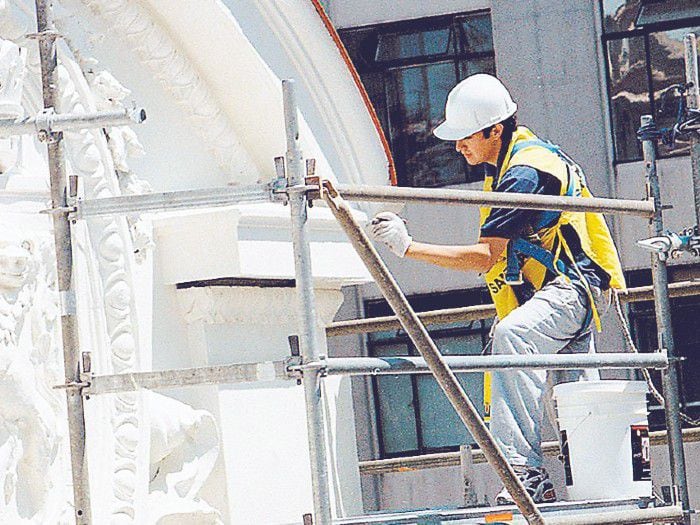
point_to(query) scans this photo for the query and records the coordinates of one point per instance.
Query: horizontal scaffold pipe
(487, 311)
(48, 121)
(174, 200)
(206, 375)
(480, 363)
(641, 208)
(671, 514)
(452, 459)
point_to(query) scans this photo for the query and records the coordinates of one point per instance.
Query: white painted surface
(209, 124)
(263, 426)
(346, 13)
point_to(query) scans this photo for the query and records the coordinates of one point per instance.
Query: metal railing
(311, 367)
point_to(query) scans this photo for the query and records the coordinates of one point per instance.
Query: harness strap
(552, 262)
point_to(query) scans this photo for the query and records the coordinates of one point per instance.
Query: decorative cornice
(178, 77)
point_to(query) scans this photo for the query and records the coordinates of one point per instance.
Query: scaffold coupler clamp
(85, 373)
(278, 186)
(673, 245)
(296, 367)
(44, 125)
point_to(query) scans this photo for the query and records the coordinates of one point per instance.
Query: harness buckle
(514, 278)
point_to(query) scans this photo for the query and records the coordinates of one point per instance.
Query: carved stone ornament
(34, 466)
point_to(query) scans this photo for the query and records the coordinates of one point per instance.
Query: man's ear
(497, 130)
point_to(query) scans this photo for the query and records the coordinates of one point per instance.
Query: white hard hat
(477, 102)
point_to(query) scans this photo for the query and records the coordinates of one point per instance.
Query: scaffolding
(297, 187)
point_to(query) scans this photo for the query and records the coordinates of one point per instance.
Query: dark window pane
(668, 68)
(629, 94)
(440, 424)
(667, 11)
(397, 46)
(397, 415)
(479, 65)
(477, 34)
(408, 68)
(619, 15)
(374, 85)
(361, 45)
(417, 98)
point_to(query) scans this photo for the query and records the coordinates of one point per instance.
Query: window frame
(644, 32)
(454, 22)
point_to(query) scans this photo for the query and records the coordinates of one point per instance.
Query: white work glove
(390, 229)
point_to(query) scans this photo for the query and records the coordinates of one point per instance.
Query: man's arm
(478, 257)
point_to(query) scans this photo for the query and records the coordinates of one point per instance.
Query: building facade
(582, 74)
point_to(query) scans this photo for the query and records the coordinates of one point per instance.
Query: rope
(645, 373)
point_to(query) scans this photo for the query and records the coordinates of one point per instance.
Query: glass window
(408, 68)
(395, 46)
(642, 63)
(619, 15)
(477, 34)
(413, 414)
(397, 414)
(668, 11)
(685, 312)
(629, 96)
(667, 53)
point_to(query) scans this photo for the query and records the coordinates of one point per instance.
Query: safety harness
(521, 247)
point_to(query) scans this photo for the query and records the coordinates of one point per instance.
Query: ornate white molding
(90, 158)
(178, 77)
(111, 302)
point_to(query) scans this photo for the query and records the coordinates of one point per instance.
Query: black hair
(509, 126)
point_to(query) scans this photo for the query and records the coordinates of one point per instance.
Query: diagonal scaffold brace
(426, 346)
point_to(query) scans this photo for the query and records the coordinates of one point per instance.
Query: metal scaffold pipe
(305, 307)
(495, 199)
(357, 366)
(425, 345)
(48, 121)
(486, 311)
(662, 306)
(64, 262)
(693, 100)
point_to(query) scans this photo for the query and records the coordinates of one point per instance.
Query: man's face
(477, 149)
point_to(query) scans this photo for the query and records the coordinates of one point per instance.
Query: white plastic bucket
(605, 439)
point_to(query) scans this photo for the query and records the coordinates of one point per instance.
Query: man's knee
(508, 337)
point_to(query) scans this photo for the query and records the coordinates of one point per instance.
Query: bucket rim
(604, 386)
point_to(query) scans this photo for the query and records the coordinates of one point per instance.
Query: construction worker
(549, 273)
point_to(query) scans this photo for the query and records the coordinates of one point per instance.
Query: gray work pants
(549, 323)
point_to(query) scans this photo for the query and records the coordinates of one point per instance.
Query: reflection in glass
(440, 424)
(476, 34)
(667, 11)
(397, 414)
(667, 53)
(408, 69)
(619, 15)
(628, 94)
(396, 46)
(417, 98)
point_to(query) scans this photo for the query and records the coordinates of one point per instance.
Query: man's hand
(390, 229)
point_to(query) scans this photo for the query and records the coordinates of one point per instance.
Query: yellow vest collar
(521, 133)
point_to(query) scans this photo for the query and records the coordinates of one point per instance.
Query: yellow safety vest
(591, 228)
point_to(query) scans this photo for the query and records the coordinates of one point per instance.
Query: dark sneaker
(537, 484)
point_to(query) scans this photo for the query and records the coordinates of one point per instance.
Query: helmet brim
(446, 132)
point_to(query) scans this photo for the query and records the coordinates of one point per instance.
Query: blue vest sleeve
(511, 223)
